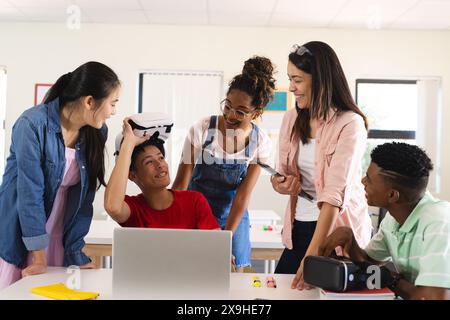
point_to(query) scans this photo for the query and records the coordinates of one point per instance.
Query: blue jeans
(241, 247)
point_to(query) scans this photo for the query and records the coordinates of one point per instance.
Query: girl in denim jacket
(55, 166)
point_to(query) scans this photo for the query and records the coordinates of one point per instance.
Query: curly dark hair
(405, 165)
(256, 80)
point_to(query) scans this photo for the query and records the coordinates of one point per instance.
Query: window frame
(387, 134)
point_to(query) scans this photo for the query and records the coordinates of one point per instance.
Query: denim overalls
(218, 181)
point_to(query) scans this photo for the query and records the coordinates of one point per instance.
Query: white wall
(36, 53)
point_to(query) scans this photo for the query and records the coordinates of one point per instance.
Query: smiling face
(150, 169)
(300, 84)
(95, 116)
(237, 110)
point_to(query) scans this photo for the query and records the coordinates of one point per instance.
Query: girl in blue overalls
(220, 153)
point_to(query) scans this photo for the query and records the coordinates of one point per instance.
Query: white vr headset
(153, 124)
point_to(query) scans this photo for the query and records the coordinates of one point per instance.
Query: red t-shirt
(189, 210)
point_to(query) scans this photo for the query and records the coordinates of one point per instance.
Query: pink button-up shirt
(340, 146)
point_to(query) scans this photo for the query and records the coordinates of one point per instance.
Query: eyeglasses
(226, 108)
(300, 50)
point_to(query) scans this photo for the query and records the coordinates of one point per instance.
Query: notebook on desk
(375, 294)
(171, 264)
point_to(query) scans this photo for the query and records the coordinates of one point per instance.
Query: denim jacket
(33, 174)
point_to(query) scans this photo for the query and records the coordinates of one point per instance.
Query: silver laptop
(171, 264)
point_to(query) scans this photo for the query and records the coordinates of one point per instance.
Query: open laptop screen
(171, 264)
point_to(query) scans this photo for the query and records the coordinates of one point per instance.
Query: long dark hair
(257, 81)
(90, 79)
(329, 86)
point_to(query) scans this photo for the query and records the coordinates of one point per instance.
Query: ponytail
(57, 89)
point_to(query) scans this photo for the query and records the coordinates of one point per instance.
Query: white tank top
(307, 210)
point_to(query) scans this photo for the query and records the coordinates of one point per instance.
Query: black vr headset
(340, 274)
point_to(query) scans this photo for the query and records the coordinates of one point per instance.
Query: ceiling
(360, 14)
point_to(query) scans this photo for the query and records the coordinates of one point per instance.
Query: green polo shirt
(420, 248)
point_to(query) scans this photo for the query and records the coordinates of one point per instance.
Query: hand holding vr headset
(128, 137)
(141, 127)
(340, 273)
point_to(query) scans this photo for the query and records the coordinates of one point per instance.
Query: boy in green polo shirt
(415, 233)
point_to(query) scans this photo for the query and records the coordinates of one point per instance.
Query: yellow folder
(61, 292)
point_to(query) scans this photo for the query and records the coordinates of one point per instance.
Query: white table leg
(272, 266)
(266, 266)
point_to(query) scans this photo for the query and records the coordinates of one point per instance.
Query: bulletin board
(282, 101)
(40, 89)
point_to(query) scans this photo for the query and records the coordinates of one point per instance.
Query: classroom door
(187, 96)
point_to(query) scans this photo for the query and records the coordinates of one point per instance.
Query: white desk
(266, 245)
(100, 281)
(268, 217)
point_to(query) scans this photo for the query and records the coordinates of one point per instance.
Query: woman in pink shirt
(321, 145)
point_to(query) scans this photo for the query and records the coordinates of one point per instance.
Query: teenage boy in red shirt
(142, 160)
